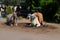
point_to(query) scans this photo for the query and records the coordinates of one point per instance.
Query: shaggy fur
(12, 19)
(34, 20)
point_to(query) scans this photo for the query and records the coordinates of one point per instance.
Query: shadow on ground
(23, 27)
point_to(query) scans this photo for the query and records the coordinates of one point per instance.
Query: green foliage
(49, 11)
(45, 2)
(38, 4)
(57, 16)
(8, 9)
(5, 2)
(47, 7)
(11, 2)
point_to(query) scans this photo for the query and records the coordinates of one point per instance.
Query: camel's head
(29, 16)
(33, 16)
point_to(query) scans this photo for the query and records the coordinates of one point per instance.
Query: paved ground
(17, 33)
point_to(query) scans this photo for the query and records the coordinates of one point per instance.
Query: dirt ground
(50, 31)
(22, 27)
